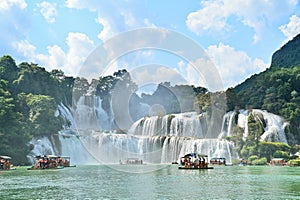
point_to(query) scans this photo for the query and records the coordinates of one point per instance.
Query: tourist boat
(46, 162)
(243, 162)
(65, 161)
(194, 161)
(5, 163)
(132, 161)
(217, 161)
(278, 162)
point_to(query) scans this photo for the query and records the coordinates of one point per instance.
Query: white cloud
(48, 10)
(107, 31)
(155, 74)
(214, 14)
(79, 48)
(7, 4)
(79, 4)
(211, 17)
(126, 15)
(234, 66)
(202, 72)
(226, 67)
(25, 47)
(291, 29)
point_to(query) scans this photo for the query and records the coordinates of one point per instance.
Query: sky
(238, 36)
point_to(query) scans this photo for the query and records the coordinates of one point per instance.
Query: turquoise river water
(151, 182)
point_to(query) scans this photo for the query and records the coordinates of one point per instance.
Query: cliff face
(288, 55)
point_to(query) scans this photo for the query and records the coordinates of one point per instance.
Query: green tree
(42, 115)
(12, 129)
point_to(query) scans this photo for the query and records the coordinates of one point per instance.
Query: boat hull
(58, 167)
(192, 168)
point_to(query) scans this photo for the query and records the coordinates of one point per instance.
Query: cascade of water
(187, 125)
(243, 122)
(232, 114)
(42, 146)
(66, 143)
(66, 114)
(180, 125)
(156, 139)
(274, 130)
(226, 124)
(89, 114)
(72, 146)
(102, 117)
(274, 127)
(85, 115)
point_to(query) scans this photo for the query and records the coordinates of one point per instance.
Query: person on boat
(182, 161)
(196, 163)
(2, 164)
(193, 160)
(60, 161)
(41, 163)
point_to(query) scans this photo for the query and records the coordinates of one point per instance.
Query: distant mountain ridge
(288, 55)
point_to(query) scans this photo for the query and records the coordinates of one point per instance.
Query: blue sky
(239, 36)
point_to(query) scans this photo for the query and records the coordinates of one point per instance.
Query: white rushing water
(156, 139)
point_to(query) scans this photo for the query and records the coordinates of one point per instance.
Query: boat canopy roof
(132, 159)
(66, 157)
(46, 156)
(5, 157)
(194, 154)
(218, 158)
(277, 159)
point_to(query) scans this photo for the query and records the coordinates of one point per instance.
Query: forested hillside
(277, 89)
(28, 100)
(287, 56)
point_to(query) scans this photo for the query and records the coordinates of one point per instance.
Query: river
(151, 182)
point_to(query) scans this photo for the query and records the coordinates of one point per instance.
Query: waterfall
(157, 139)
(227, 124)
(66, 143)
(243, 122)
(88, 136)
(184, 124)
(42, 146)
(66, 114)
(274, 130)
(274, 125)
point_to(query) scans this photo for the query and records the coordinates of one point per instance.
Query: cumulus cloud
(201, 72)
(48, 10)
(155, 74)
(234, 66)
(213, 16)
(79, 47)
(25, 47)
(107, 31)
(7, 4)
(225, 68)
(79, 4)
(126, 15)
(14, 23)
(292, 28)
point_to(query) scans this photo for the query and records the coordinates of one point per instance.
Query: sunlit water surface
(151, 182)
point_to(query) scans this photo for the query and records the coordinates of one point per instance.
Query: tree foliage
(28, 101)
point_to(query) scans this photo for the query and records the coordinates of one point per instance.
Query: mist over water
(154, 139)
